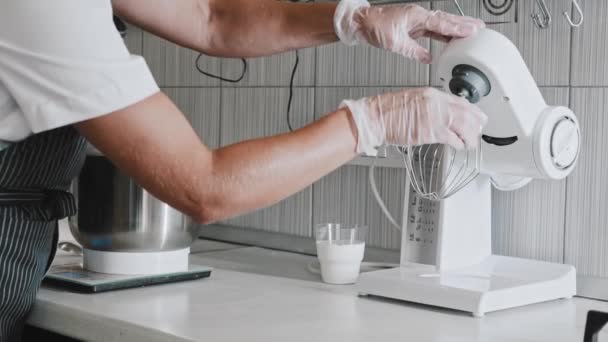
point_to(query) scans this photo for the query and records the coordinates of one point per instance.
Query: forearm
(260, 172)
(269, 26)
(234, 28)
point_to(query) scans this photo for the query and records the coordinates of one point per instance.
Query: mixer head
(524, 139)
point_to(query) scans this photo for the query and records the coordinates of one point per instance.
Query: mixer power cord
(378, 197)
(291, 79)
(220, 77)
(244, 72)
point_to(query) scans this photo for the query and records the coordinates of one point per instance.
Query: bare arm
(154, 143)
(233, 28)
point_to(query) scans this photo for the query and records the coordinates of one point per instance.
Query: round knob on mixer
(469, 82)
(556, 142)
(565, 142)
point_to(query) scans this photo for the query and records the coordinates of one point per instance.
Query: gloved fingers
(413, 50)
(433, 35)
(452, 25)
(468, 131)
(453, 139)
(467, 122)
(470, 109)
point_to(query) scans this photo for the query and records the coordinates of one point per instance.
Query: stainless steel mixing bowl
(115, 214)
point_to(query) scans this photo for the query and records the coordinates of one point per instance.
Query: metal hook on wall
(459, 7)
(580, 15)
(542, 20)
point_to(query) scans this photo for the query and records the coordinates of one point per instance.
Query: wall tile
(272, 71)
(202, 108)
(134, 39)
(586, 209)
(470, 8)
(530, 222)
(174, 66)
(392, 185)
(341, 65)
(546, 52)
(492, 15)
(255, 112)
(341, 197)
(344, 196)
(290, 216)
(589, 48)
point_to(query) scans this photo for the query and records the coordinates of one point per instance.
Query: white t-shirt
(62, 62)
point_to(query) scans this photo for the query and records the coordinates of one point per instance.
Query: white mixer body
(524, 137)
(446, 247)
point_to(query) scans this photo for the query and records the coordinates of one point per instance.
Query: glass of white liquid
(340, 249)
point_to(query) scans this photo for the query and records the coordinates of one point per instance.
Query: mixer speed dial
(565, 142)
(557, 142)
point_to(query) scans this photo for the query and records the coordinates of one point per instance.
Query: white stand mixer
(524, 139)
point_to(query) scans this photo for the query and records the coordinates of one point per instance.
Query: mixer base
(497, 283)
(141, 263)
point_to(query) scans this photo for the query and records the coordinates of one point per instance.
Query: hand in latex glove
(415, 117)
(396, 27)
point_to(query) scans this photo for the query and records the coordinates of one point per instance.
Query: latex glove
(415, 117)
(396, 27)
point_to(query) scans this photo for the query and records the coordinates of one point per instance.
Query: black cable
(293, 76)
(218, 77)
(120, 25)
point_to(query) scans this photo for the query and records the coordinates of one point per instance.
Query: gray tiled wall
(557, 221)
(587, 201)
(253, 112)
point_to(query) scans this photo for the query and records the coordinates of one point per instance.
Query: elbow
(205, 215)
(210, 195)
(207, 208)
(203, 212)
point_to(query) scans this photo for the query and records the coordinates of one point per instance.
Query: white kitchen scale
(90, 271)
(76, 278)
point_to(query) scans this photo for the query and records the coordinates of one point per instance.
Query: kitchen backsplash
(559, 221)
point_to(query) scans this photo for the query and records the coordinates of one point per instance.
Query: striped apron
(45, 162)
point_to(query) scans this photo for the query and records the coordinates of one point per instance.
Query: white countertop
(260, 295)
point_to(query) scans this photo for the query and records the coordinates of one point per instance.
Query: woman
(66, 76)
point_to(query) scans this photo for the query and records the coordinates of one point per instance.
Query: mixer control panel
(422, 223)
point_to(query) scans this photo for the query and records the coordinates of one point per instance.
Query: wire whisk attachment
(439, 171)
